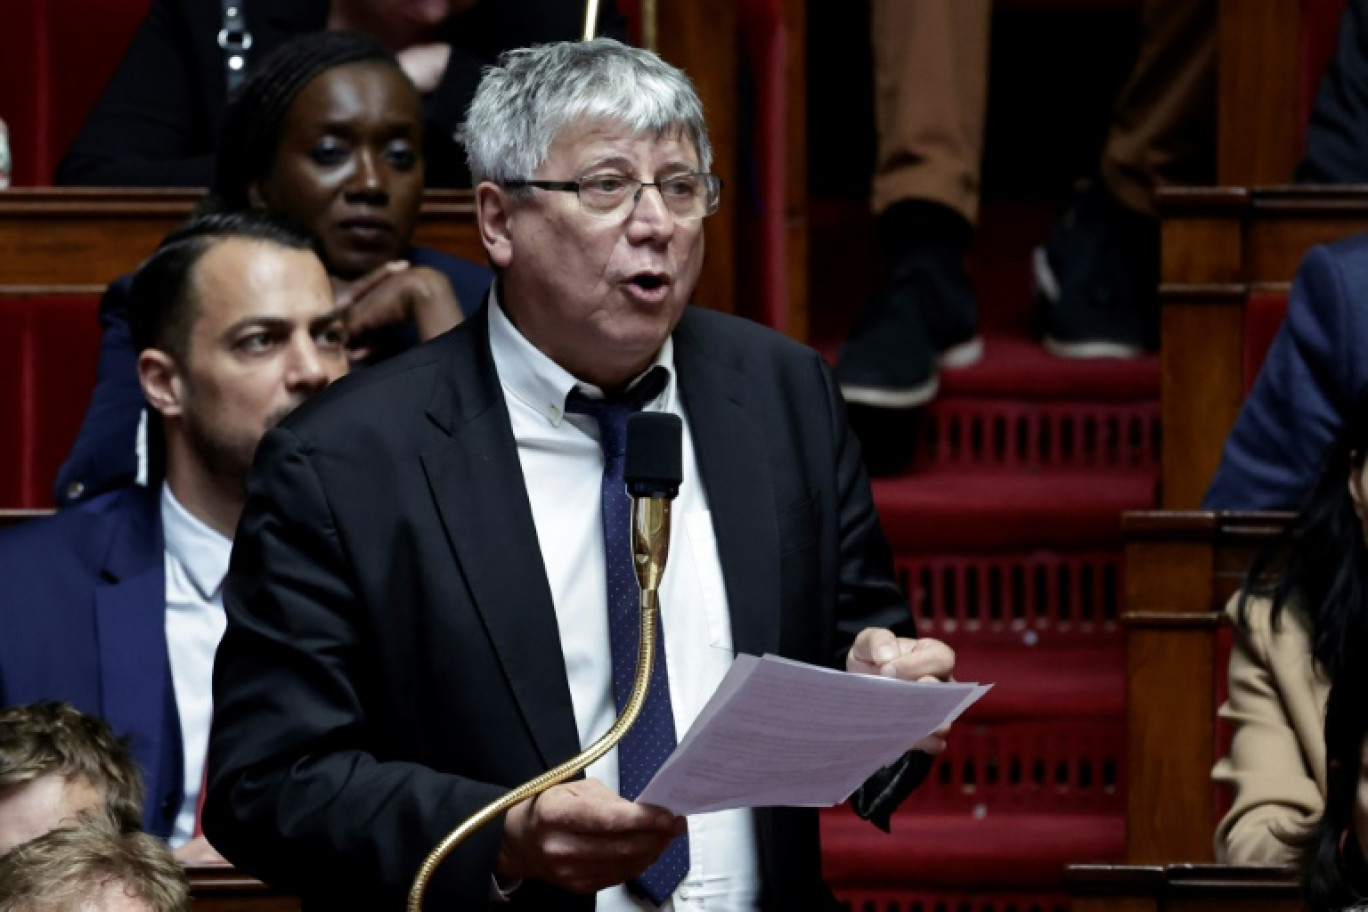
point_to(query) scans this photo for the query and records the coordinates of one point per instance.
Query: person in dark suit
(417, 597)
(115, 605)
(326, 134)
(158, 122)
(1304, 389)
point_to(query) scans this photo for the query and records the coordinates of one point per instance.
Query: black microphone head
(653, 465)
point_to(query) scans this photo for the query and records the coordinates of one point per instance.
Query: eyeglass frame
(712, 200)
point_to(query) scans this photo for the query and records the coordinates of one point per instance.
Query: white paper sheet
(778, 732)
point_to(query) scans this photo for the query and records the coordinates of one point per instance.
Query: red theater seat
(1263, 315)
(48, 351)
(55, 58)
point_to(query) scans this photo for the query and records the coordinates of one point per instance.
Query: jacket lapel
(734, 463)
(130, 624)
(476, 479)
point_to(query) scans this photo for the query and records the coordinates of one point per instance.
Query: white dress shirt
(562, 465)
(196, 563)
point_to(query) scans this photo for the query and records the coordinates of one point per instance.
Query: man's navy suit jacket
(392, 660)
(1314, 369)
(82, 619)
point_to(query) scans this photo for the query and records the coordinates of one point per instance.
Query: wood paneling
(1258, 86)
(82, 239)
(1202, 386)
(219, 889)
(1181, 888)
(1180, 569)
(702, 37)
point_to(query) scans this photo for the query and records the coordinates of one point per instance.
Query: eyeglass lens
(684, 195)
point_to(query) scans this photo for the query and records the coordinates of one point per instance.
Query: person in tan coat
(1276, 764)
(1303, 606)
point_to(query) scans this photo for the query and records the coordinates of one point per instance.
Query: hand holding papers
(779, 732)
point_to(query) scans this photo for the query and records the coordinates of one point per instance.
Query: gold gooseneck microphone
(591, 10)
(652, 471)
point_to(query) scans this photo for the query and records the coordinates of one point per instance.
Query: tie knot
(612, 412)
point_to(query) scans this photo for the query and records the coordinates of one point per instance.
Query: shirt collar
(203, 552)
(541, 384)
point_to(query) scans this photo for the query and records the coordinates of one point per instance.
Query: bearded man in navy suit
(115, 605)
(416, 606)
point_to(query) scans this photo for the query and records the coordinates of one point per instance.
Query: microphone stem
(591, 10)
(650, 614)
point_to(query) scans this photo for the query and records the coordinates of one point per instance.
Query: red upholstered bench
(55, 58)
(48, 351)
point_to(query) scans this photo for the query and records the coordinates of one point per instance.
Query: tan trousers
(931, 94)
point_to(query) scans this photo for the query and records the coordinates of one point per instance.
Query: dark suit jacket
(392, 660)
(1314, 369)
(82, 619)
(104, 454)
(158, 122)
(1337, 132)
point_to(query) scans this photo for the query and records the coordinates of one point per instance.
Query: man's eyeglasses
(688, 195)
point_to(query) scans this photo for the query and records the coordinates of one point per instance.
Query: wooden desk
(1181, 569)
(1219, 246)
(15, 517)
(1182, 888)
(228, 890)
(77, 240)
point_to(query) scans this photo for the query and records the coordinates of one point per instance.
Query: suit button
(75, 490)
(170, 806)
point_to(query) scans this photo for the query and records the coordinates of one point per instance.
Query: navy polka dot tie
(652, 739)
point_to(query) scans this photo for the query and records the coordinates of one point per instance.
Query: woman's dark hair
(1334, 875)
(251, 128)
(1319, 565)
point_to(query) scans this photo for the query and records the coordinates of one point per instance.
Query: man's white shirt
(562, 466)
(196, 562)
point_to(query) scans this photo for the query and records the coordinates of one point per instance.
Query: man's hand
(197, 852)
(582, 837)
(877, 651)
(425, 64)
(394, 293)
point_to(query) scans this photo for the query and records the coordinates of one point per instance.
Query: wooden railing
(222, 889)
(1182, 888)
(1181, 569)
(80, 240)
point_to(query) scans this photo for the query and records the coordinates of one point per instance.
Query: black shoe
(1096, 279)
(924, 317)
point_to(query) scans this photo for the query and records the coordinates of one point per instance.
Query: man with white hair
(417, 603)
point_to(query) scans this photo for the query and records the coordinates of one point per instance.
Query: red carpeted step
(1040, 682)
(1015, 598)
(1015, 367)
(1013, 767)
(987, 852)
(966, 899)
(1031, 436)
(975, 510)
(1019, 367)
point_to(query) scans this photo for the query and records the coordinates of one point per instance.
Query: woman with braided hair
(159, 121)
(326, 134)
